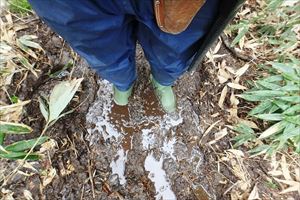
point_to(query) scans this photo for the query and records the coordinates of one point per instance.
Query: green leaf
(243, 128)
(70, 64)
(249, 97)
(44, 108)
(270, 117)
(259, 149)
(290, 88)
(290, 131)
(263, 106)
(2, 136)
(26, 40)
(275, 78)
(14, 99)
(292, 99)
(19, 155)
(282, 104)
(60, 96)
(292, 110)
(245, 134)
(284, 68)
(273, 109)
(242, 33)
(25, 144)
(293, 119)
(266, 93)
(27, 65)
(14, 128)
(268, 85)
(297, 144)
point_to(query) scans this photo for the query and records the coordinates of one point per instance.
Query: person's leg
(170, 55)
(98, 31)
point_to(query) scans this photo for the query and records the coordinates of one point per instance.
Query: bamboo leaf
(292, 110)
(44, 108)
(270, 117)
(60, 96)
(266, 93)
(2, 136)
(261, 108)
(19, 155)
(14, 128)
(268, 85)
(292, 99)
(293, 119)
(26, 40)
(279, 126)
(25, 144)
(241, 34)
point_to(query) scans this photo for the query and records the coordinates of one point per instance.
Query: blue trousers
(105, 33)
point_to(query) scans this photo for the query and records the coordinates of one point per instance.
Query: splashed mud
(145, 143)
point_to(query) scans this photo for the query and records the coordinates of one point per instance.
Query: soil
(104, 151)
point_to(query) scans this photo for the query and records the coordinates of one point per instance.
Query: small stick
(91, 179)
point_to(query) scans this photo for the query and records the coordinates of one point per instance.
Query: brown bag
(174, 16)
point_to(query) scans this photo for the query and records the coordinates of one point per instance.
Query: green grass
(19, 6)
(277, 94)
(278, 100)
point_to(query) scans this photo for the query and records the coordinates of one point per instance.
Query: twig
(233, 51)
(82, 192)
(91, 179)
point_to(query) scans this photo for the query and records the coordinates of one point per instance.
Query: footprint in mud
(143, 142)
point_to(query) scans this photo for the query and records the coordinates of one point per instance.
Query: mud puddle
(144, 144)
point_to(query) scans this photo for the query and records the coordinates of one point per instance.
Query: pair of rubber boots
(165, 95)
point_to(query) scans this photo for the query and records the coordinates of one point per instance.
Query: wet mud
(108, 152)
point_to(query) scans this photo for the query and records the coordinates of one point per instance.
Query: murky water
(143, 128)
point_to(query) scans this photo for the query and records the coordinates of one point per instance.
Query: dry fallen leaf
(285, 168)
(233, 100)
(219, 135)
(236, 152)
(237, 86)
(46, 179)
(222, 97)
(208, 130)
(27, 194)
(294, 186)
(249, 123)
(242, 70)
(254, 194)
(217, 48)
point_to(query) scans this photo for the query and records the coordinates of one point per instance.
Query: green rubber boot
(121, 97)
(165, 95)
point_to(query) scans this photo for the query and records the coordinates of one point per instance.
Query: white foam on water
(158, 176)
(170, 121)
(168, 148)
(148, 139)
(118, 165)
(101, 121)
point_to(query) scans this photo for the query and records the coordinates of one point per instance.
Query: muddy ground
(103, 151)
